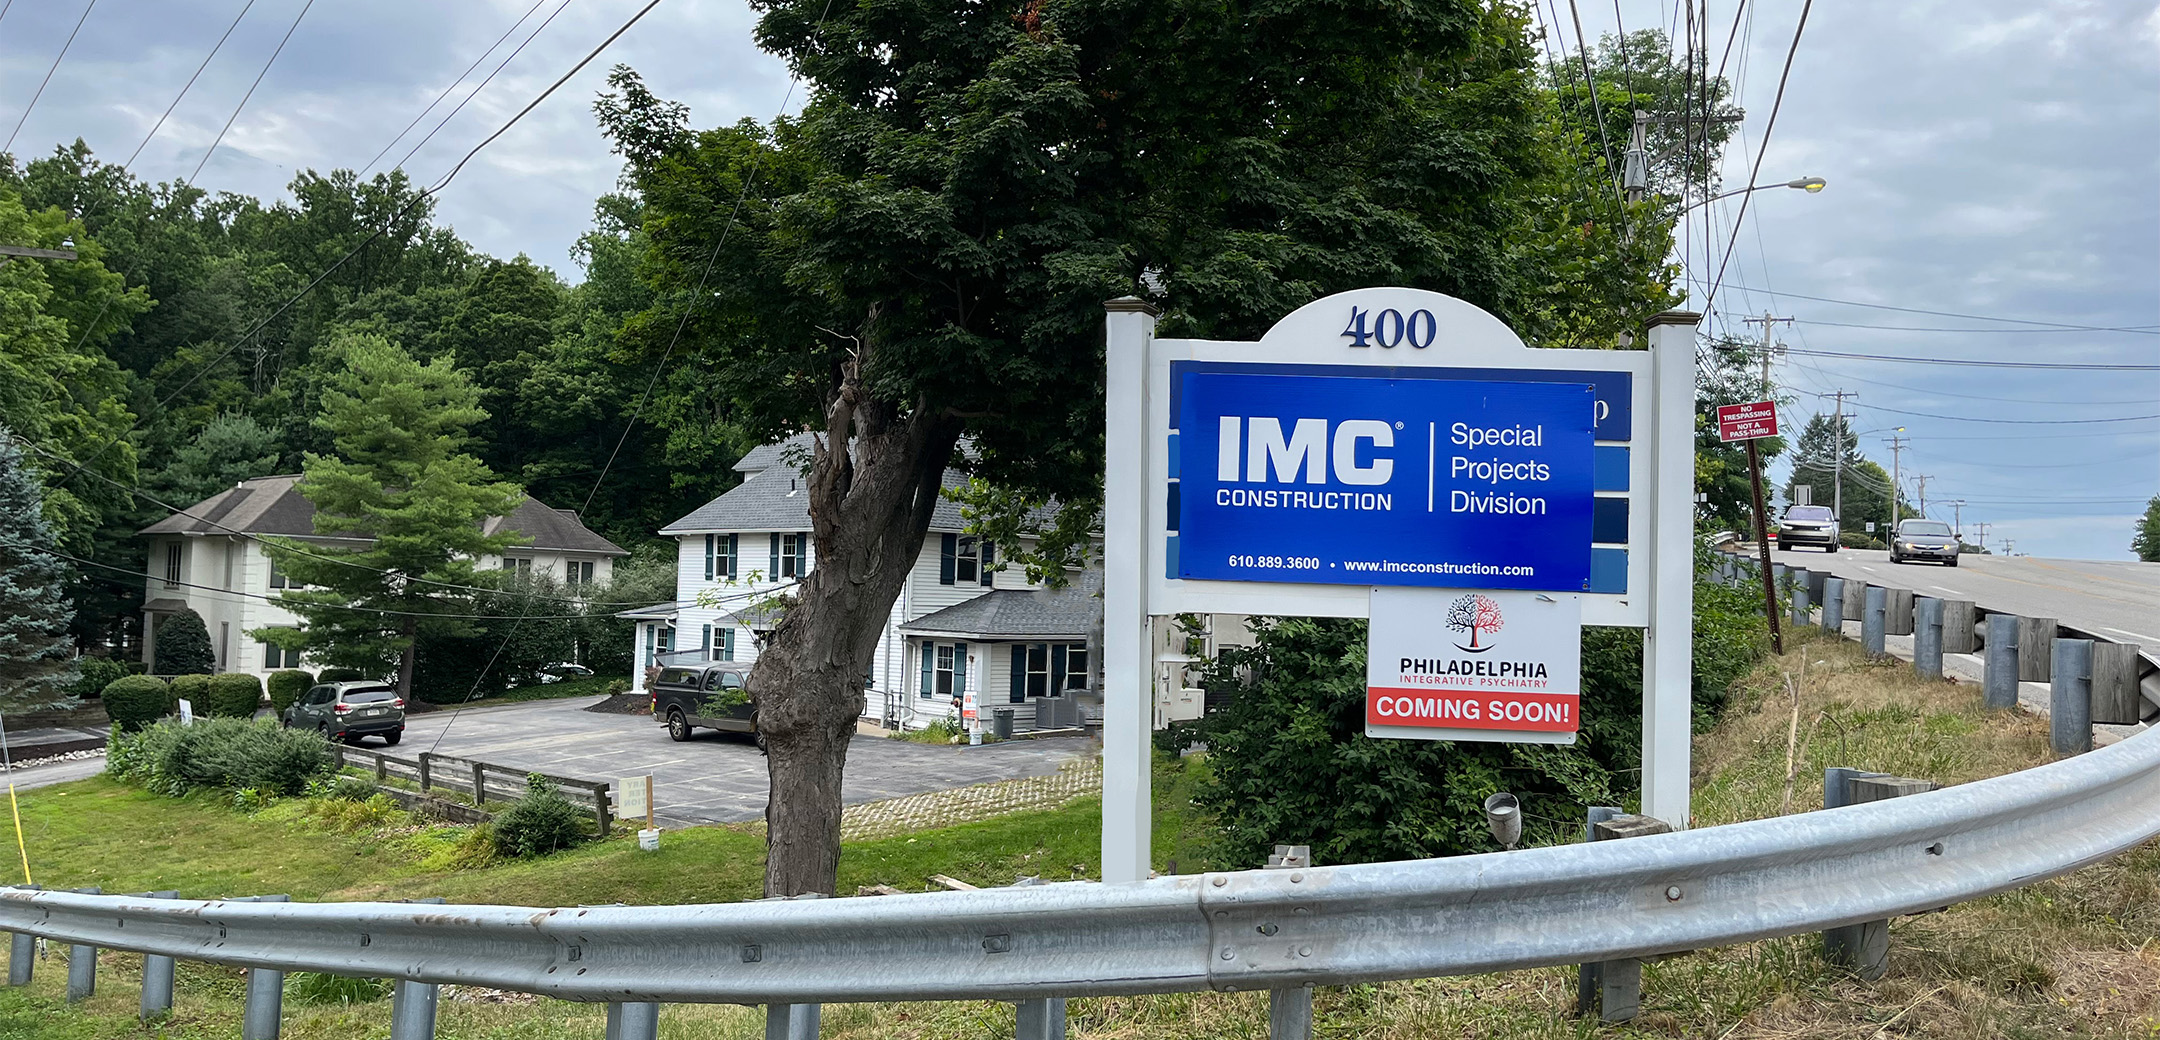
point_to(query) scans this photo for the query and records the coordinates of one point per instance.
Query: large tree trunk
(405, 660)
(869, 510)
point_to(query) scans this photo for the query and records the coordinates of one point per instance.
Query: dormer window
(964, 559)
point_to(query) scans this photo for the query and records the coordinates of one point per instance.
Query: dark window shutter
(802, 554)
(1019, 673)
(774, 573)
(959, 671)
(948, 548)
(732, 546)
(989, 560)
(1057, 669)
(709, 553)
(929, 669)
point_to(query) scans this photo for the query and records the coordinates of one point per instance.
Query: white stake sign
(1455, 664)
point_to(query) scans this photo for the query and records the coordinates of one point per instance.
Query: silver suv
(1808, 525)
(348, 711)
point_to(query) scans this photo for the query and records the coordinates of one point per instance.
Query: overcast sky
(1991, 158)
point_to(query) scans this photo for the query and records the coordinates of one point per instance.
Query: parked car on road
(1808, 525)
(1924, 540)
(709, 696)
(562, 670)
(348, 711)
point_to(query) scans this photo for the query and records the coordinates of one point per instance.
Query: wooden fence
(483, 781)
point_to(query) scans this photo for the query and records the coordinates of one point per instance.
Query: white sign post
(1348, 432)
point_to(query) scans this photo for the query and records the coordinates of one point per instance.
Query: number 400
(1390, 329)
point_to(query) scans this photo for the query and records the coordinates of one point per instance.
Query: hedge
(235, 695)
(194, 689)
(135, 701)
(97, 673)
(234, 754)
(340, 675)
(286, 688)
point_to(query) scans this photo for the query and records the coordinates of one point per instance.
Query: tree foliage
(1867, 491)
(36, 666)
(182, 646)
(2146, 542)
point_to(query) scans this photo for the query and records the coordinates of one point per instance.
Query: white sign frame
(1659, 595)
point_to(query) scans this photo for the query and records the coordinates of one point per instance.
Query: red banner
(1472, 709)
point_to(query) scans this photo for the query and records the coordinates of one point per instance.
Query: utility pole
(1983, 526)
(1767, 322)
(1922, 479)
(1957, 517)
(1837, 466)
(1897, 444)
(8, 253)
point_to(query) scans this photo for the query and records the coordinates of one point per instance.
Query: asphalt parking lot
(712, 778)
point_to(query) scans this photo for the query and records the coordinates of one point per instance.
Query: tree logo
(1476, 615)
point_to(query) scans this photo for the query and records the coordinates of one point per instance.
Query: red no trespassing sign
(1746, 422)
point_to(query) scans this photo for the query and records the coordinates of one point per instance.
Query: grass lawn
(590, 686)
(2075, 956)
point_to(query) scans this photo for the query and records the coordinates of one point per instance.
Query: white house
(210, 558)
(740, 550)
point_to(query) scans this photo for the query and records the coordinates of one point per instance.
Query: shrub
(314, 987)
(339, 675)
(286, 687)
(194, 689)
(235, 695)
(183, 646)
(541, 822)
(172, 759)
(339, 787)
(96, 673)
(135, 701)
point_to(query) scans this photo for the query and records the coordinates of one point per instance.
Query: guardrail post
(600, 807)
(1957, 626)
(1898, 614)
(1864, 947)
(2115, 697)
(791, 1021)
(2036, 645)
(479, 783)
(1801, 615)
(2070, 714)
(426, 760)
(1999, 673)
(1927, 645)
(1833, 605)
(265, 993)
(1871, 622)
(22, 951)
(82, 963)
(633, 1020)
(1290, 1009)
(1043, 1019)
(157, 975)
(412, 1004)
(1855, 606)
(1613, 989)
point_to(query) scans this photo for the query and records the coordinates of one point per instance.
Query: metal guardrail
(1242, 931)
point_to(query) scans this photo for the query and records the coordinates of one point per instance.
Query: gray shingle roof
(774, 496)
(1070, 612)
(274, 506)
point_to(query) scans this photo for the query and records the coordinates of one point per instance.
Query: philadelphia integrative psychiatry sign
(1399, 446)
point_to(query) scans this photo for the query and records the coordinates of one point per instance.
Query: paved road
(2118, 600)
(713, 778)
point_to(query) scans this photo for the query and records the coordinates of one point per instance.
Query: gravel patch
(71, 756)
(1077, 779)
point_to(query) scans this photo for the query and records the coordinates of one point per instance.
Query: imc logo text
(1258, 451)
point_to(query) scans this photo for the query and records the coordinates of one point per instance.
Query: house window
(790, 555)
(172, 565)
(275, 658)
(1047, 669)
(727, 642)
(720, 556)
(1076, 666)
(579, 572)
(966, 560)
(520, 565)
(278, 580)
(719, 642)
(944, 669)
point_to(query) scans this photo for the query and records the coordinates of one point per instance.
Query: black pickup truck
(711, 696)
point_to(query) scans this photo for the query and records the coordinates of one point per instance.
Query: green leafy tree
(2146, 544)
(227, 450)
(182, 646)
(36, 662)
(1867, 491)
(406, 501)
(924, 253)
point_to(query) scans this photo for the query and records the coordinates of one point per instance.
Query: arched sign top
(1398, 326)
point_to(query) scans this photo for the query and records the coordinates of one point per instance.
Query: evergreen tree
(229, 449)
(404, 488)
(36, 664)
(2147, 543)
(1867, 486)
(183, 646)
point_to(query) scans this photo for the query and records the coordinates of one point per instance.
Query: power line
(2017, 422)
(27, 109)
(1938, 314)
(1969, 362)
(1762, 150)
(416, 200)
(251, 90)
(1582, 48)
(392, 143)
(507, 59)
(2141, 330)
(1982, 397)
(189, 85)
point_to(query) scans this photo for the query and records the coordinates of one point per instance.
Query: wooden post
(1864, 947)
(600, 807)
(423, 760)
(382, 769)
(479, 783)
(651, 826)
(1613, 989)
(1762, 547)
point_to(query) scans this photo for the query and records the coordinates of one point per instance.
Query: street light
(1811, 185)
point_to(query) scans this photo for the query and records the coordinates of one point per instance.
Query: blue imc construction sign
(1380, 481)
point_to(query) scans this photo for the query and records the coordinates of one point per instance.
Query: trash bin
(1001, 722)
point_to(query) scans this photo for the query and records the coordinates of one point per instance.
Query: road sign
(1377, 481)
(1448, 664)
(1746, 422)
